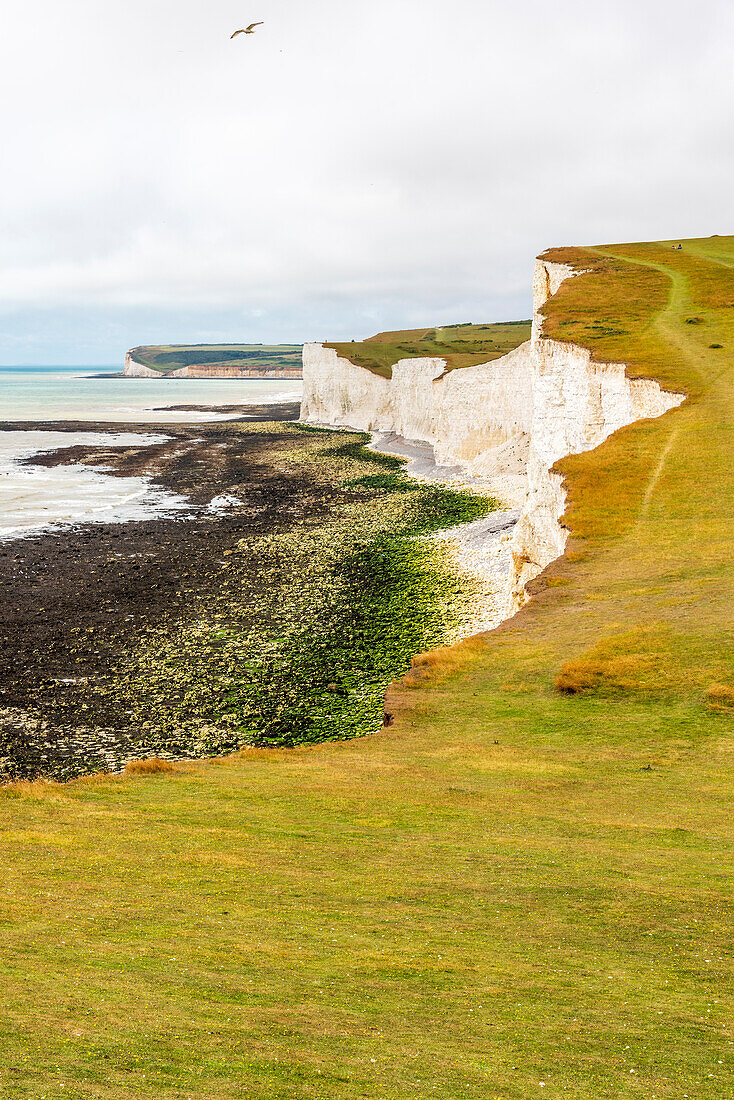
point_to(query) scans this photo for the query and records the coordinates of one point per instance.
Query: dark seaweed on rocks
(278, 617)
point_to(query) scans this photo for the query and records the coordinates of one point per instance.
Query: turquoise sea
(33, 498)
(73, 393)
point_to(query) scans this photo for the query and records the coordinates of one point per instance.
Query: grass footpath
(514, 891)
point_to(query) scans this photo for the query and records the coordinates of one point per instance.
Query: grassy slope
(510, 886)
(460, 345)
(169, 357)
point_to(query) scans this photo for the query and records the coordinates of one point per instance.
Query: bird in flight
(247, 30)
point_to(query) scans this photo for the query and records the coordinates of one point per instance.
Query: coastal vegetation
(464, 345)
(313, 623)
(170, 357)
(521, 887)
(292, 637)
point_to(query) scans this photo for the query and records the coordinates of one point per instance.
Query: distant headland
(215, 361)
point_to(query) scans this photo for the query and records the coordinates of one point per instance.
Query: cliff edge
(506, 422)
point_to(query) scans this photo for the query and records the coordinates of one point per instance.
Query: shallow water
(71, 393)
(33, 498)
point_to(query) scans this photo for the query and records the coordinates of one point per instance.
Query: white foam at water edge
(287, 395)
(34, 498)
(162, 413)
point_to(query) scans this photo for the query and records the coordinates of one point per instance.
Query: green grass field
(169, 357)
(460, 345)
(513, 891)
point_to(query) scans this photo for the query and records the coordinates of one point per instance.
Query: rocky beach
(270, 609)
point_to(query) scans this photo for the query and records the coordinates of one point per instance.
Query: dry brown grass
(152, 766)
(720, 697)
(633, 660)
(36, 789)
(437, 664)
(430, 666)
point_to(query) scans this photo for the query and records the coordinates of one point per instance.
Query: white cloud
(381, 159)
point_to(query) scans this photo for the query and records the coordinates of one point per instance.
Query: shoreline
(69, 495)
(110, 633)
(77, 493)
(74, 597)
(481, 550)
(285, 411)
(162, 376)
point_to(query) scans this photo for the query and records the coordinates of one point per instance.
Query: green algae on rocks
(329, 614)
(312, 600)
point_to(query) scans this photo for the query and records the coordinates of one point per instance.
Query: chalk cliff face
(507, 422)
(134, 369)
(137, 370)
(222, 370)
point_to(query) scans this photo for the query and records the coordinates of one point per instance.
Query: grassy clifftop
(525, 881)
(460, 345)
(170, 357)
(650, 509)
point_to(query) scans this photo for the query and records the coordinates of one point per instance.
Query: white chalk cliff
(134, 369)
(506, 422)
(138, 370)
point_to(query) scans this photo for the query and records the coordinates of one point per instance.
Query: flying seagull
(247, 30)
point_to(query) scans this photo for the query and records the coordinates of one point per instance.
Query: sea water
(34, 498)
(74, 393)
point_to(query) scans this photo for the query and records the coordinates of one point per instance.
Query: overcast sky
(355, 165)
